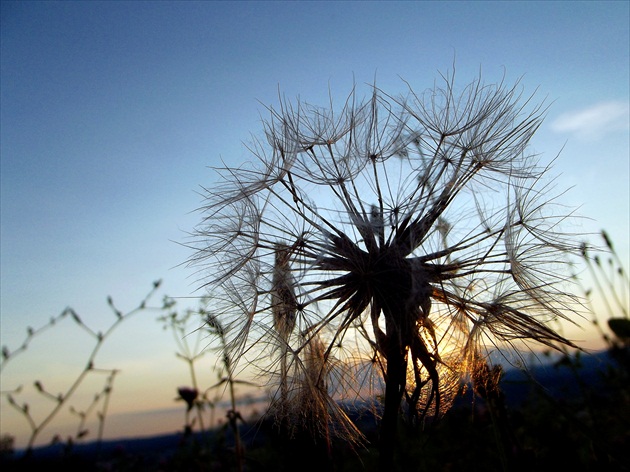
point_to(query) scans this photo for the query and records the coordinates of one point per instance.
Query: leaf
(620, 326)
(110, 302)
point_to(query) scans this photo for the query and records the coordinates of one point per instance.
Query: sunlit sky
(113, 112)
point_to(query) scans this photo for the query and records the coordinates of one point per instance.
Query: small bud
(607, 240)
(75, 317)
(189, 395)
(584, 250)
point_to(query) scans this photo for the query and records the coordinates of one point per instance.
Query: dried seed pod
(283, 299)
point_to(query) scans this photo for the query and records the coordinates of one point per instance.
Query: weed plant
(61, 400)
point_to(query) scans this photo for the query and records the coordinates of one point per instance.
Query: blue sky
(113, 112)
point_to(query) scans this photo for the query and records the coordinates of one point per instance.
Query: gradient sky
(113, 112)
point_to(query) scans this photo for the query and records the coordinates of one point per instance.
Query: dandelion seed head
(388, 240)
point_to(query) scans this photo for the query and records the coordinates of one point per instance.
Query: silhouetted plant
(612, 288)
(596, 412)
(191, 347)
(195, 397)
(7, 443)
(228, 379)
(378, 250)
(62, 399)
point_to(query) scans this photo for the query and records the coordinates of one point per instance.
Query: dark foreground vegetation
(564, 412)
(571, 413)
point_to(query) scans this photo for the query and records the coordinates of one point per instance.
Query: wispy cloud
(595, 121)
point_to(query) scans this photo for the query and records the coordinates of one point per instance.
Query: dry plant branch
(60, 400)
